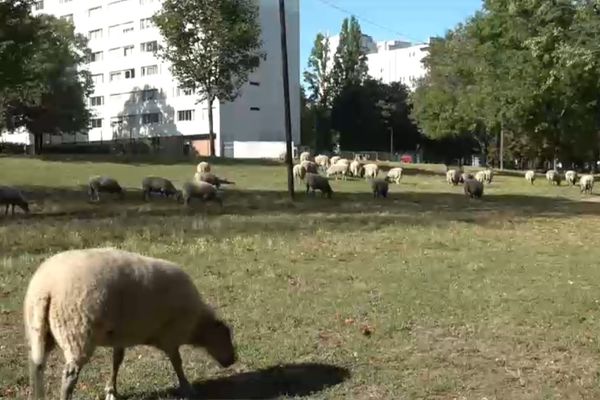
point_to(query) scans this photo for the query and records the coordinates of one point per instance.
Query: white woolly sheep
(200, 190)
(452, 177)
(571, 177)
(82, 299)
(586, 184)
(333, 160)
(355, 168)
(203, 167)
(310, 166)
(395, 175)
(488, 175)
(299, 172)
(213, 179)
(322, 161)
(317, 182)
(343, 161)
(98, 184)
(338, 170)
(465, 176)
(304, 156)
(553, 177)
(530, 176)
(371, 171)
(13, 197)
(480, 176)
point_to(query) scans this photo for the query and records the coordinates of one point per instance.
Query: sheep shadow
(268, 383)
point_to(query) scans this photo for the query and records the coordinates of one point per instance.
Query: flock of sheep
(341, 168)
(586, 182)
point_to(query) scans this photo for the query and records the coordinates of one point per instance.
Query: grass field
(496, 299)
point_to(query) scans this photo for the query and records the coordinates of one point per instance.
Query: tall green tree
(212, 45)
(350, 60)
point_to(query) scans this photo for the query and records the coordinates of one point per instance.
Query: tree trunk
(211, 129)
(38, 141)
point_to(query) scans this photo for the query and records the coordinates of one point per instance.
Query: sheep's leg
(111, 386)
(36, 371)
(12, 210)
(184, 385)
(6, 210)
(69, 379)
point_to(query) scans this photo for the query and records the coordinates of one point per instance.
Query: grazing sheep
(371, 171)
(452, 177)
(82, 299)
(333, 160)
(553, 177)
(310, 166)
(299, 172)
(13, 197)
(473, 188)
(343, 161)
(586, 184)
(322, 161)
(488, 175)
(203, 167)
(212, 179)
(530, 176)
(155, 184)
(200, 190)
(304, 156)
(480, 176)
(105, 184)
(338, 170)
(355, 168)
(379, 187)
(571, 177)
(464, 176)
(394, 175)
(317, 182)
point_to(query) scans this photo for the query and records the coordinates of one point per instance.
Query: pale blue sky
(412, 20)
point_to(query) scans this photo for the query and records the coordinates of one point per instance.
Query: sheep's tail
(38, 334)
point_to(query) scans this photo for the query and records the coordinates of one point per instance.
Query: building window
(149, 94)
(127, 51)
(254, 108)
(129, 73)
(96, 56)
(185, 115)
(38, 5)
(96, 123)
(96, 101)
(151, 118)
(116, 76)
(115, 53)
(146, 23)
(127, 29)
(95, 34)
(68, 18)
(98, 78)
(254, 83)
(150, 70)
(94, 12)
(149, 47)
(183, 92)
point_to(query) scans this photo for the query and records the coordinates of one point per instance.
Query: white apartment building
(135, 95)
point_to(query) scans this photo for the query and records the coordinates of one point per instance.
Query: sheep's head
(215, 336)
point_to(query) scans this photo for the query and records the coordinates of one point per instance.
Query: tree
(350, 61)
(54, 95)
(212, 45)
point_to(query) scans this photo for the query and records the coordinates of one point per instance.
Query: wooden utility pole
(501, 146)
(286, 98)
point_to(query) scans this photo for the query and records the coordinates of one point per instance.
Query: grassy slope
(467, 299)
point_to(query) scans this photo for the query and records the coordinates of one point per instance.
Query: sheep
(304, 156)
(355, 168)
(299, 172)
(104, 297)
(343, 161)
(553, 176)
(488, 175)
(322, 161)
(571, 177)
(394, 175)
(464, 176)
(212, 179)
(338, 170)
(480, 176)
(203, 167)
(106, 184)
(13, 197)
(317, 182)
(379, 187)
(473, 188)
(333, 160)
(530, 176)
(310, 166)
(371, 171)
(586, 184)
(452, 177)
(154, 184)
(200, 190)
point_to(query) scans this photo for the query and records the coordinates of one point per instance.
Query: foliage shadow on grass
(269, 383)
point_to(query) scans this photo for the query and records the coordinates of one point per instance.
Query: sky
(410, 20)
